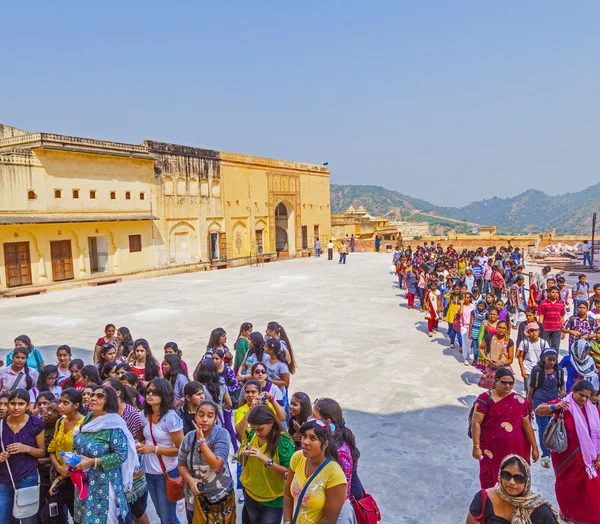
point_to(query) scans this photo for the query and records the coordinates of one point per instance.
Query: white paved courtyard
(405, 396)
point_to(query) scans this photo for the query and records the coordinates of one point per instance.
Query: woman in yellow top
(454, 301)
(266, 459)
(62, 491)
(325, 495)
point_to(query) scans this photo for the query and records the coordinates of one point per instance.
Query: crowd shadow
(418, 464)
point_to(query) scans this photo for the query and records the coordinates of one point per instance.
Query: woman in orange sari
(501, 426)
(577, 469)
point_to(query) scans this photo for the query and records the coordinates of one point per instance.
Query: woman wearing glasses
(511, 500)
(108, 457)
(501, 426)
(163, 432)
(260, 373)
(578, 468)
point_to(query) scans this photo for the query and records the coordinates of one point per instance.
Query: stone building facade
(74, 208)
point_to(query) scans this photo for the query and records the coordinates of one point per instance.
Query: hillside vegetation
(530, 212)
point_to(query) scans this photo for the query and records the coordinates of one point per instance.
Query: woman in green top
(266, 459)
(241, 345)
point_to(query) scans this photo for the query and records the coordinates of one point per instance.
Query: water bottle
(70, 458)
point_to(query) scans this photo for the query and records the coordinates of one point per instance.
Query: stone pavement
(405, 396)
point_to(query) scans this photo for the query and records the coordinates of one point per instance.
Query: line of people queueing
(132, 422)
(502, 427)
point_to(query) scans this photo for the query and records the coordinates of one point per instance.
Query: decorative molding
(283, 185)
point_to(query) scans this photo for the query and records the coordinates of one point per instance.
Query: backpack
(526, 346)
(487, 405)
(538, 376)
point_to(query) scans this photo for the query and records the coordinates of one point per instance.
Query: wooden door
(18, 264)
(222, 246)
(62, 260)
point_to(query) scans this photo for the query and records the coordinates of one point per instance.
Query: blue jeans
(255, 513)
(7, 496)
(421, 295)
(157, 486)
(400, 280)
(318, 252)
(586, 256)
(453, 334)
(542, 424)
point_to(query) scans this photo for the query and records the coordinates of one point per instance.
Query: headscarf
(479, 316)
(583, 362)
(589, 441)
(526, 503)
(114, 421)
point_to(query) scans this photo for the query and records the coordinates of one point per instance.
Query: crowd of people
(93, 440)
(499, 324)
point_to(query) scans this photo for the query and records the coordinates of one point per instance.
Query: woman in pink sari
(501, 426)
(578, 468)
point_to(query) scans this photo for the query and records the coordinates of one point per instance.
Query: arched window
(215, 190)
(181, 186)
(281, 210)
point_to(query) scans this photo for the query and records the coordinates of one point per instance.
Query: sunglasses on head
(518, 478)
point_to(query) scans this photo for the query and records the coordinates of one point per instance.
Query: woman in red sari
(578, 468)
(501, 426)
(433, 303)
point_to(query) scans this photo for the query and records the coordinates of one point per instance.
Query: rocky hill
(530, 212)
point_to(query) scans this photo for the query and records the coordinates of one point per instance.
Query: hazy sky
(447, 101)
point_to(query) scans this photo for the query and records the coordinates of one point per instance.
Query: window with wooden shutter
(135, 243)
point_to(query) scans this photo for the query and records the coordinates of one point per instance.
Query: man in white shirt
(330, 250)
(529, 351)
(585, 249)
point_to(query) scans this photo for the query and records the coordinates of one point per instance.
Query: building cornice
(76, 144)
(272, 164)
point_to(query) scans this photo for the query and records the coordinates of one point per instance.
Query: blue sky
(447, 101)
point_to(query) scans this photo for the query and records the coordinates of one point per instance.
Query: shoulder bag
(27, 500)
(366, 509)
(174, 485)
(555, 436)
(303, 492)
(17, 381)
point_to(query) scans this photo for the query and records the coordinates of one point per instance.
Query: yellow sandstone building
(81, 209)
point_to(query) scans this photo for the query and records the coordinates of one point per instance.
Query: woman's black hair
(64, 347)
(111, 402)
(133, 380)
(107, 368)
(123, 365)
(244, 327)
(278, 328)
(176, 368)
(583, 385)
(305, 407)
(324, 435)
(275, 346)
(214, 341)
(502, 322)
(516, 462)
(211, 404)
(165, 392)
(70, 382)
(174, 347)
(134, 394)
(102, 354)
(258, 345)
(151, 367)
(91, 373)
(503, 372)
(19, 393)
(330, 409)
(48, 395)
(28, 380)
(208, 375)
(262, 414)
(251, 382)
(26, 340)
(493, 308)
(74, 396)
(126, 346)
(45, 372)
(120, 388)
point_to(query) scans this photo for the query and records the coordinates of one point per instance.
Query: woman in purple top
(22, 445)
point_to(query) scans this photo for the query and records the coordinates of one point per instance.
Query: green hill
(530, 212)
